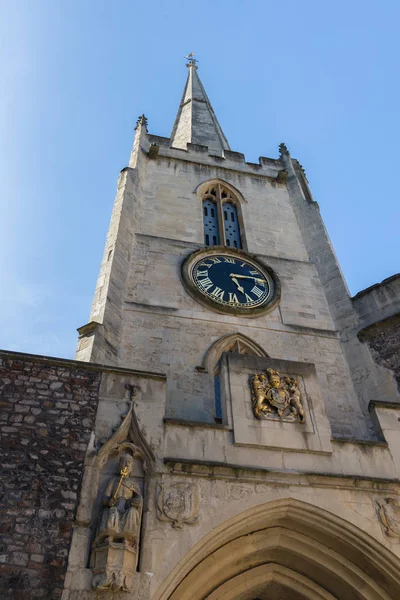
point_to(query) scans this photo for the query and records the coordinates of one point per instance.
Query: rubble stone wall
(47, 412)
(378, 308)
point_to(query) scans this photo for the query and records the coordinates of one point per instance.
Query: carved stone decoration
(115, 548)
(178, 503)
(153, 151)
(282, 176)
(277, 398)
(117, 520)
(388, 511)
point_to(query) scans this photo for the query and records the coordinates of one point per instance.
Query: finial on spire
(283, 150)
(192, 60)
(142, 120)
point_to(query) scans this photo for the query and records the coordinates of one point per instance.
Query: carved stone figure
(388, 511)
(276, 397)
(115, 548)
(178, 503)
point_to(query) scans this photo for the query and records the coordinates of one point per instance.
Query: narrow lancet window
(232, 233)
(217, 394)
(220, 218)
(210, 220)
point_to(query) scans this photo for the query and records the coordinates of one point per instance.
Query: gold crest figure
(276, 397)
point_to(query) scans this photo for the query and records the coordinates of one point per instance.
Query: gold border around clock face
(230, 281)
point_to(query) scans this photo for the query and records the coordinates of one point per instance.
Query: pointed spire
(196, 122)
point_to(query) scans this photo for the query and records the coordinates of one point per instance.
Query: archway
(285, 550)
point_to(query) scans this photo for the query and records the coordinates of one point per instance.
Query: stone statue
(276, 397)
(115, 548)
(122, 507)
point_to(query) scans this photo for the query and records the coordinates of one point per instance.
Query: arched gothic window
(237, 344)
(220, 217)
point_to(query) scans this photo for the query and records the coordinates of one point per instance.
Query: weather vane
(191, 59)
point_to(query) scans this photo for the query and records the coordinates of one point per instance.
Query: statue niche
(115, 548)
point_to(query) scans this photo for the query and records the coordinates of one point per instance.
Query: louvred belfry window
(210, 220)
(220, 218)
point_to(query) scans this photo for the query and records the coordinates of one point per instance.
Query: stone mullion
(220, 216)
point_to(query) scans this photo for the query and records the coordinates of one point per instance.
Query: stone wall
(378, 308)
(47, 409)
(383, 340)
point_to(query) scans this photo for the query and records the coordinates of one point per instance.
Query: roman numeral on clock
(218, 293)
(233, 298)
(256, 291)
(206, 283)
(202, 273)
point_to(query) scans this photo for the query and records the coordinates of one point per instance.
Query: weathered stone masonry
(379, 310)
(47, 411)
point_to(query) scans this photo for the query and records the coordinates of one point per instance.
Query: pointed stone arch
(232, 342)
(285, 546)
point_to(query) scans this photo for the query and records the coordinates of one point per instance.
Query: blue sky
(321, 76)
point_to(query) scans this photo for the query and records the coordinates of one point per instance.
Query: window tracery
(220, 217)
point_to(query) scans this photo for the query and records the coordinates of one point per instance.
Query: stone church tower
(244, 439)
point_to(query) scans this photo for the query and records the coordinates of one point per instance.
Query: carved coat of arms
(388, 511)
(178, 503)
(275, 397)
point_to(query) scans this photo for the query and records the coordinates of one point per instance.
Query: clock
(230, 281)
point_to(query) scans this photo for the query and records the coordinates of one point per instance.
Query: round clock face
(230, 281)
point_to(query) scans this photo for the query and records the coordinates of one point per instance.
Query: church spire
(196, 122)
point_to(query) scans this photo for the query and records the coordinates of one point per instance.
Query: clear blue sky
(321, 76)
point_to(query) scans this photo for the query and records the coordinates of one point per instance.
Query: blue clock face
(232, 281)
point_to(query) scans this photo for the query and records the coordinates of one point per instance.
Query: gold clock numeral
(254, 272)
(233, 298)
(206, 283)
(229, 260)
(218, 293)
(257, 292)
(214, 259)
(248, 299)
(202, 273)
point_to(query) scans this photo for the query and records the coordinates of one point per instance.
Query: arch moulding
(202, 188)
(300, 548)
(225, 343)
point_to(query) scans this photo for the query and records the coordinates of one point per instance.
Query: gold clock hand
(234, 275)
(239, 287)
